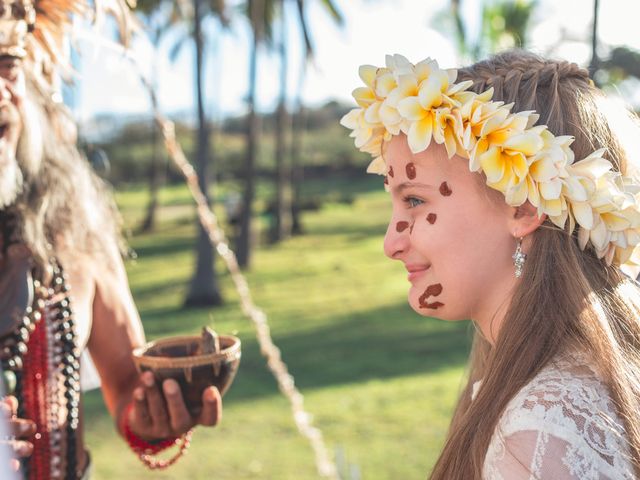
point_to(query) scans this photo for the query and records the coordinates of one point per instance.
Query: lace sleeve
(562, 426)
(530, 454)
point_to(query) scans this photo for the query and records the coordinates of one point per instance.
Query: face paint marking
(431, 218)
(386, 180)
(401, 226)
(445, 190)
(391, 171)
(431, 291)
(411, 171)
(434, 305)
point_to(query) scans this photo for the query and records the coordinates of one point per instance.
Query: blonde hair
(567, 298)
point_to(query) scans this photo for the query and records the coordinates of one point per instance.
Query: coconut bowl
(182, 358)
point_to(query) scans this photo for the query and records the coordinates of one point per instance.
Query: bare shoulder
(88, 270)
(100, 292)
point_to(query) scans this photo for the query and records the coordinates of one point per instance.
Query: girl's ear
(525, 220)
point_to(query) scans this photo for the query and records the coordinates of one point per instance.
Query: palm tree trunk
(149, 222)
(282, 221)
(203, 289)
(155, 180)
(297, 164)
(297, 170)
(593, 66)
(461, 34)
(253, 132)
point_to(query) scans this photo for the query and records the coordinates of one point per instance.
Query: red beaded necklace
(45, 361)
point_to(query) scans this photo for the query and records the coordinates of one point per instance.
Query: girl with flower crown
(513, 206)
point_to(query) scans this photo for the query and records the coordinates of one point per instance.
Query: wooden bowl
(179, 358)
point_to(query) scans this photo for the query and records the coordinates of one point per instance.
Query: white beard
(11, 180)
(18, 167)
(29, 149)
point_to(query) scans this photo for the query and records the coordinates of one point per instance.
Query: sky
(108, 82)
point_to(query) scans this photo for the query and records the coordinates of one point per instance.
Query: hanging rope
(303, 420)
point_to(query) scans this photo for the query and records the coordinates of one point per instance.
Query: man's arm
(115, 331)
(158, 411)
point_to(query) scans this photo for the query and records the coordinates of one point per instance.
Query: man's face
(17, 18)
(11, 124)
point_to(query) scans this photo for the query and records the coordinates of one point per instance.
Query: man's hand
(160, 412)
(21, 431)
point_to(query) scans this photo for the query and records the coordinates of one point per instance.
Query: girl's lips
(414, 275)
(415, 271)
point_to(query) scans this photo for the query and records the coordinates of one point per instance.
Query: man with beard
(63, 287)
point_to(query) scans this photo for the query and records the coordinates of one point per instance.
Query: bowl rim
(230, 353)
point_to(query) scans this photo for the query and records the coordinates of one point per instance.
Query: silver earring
(519, 258)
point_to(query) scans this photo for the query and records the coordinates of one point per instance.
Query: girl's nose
(396, 240)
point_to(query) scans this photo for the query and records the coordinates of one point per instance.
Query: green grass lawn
(379, 380)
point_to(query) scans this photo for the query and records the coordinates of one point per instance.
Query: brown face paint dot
(411, 171)
(401, 226)
(431, 218)
(445, 190)
(386, 180)
(391, 171)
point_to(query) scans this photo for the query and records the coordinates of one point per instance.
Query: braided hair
(553, 88)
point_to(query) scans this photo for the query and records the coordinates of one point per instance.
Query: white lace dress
(561, 426)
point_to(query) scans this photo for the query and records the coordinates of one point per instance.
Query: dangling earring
(519, 258)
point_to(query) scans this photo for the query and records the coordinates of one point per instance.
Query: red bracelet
(145, 449)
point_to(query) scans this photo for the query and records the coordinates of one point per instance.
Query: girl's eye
(413, 201)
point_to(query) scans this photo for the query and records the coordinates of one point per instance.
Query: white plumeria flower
(399, 64)
(547, 175)
(362, 130)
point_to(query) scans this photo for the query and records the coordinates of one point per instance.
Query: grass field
(380, 380)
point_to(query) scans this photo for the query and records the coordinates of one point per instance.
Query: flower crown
(523, 161)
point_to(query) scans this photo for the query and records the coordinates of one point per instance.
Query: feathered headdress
(38, 31)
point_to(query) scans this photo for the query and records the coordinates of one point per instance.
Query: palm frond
(309, 51)
(333, 11)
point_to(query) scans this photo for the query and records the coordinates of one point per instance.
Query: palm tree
(203, 288)
(157, 23)
(298, 124)
(504, 25)
(297, 167)
(282, 215)
(257, 18)
(593, 66)
(261, 15)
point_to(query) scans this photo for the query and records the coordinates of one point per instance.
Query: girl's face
(454, 240)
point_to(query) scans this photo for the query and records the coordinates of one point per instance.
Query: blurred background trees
(256, 164)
